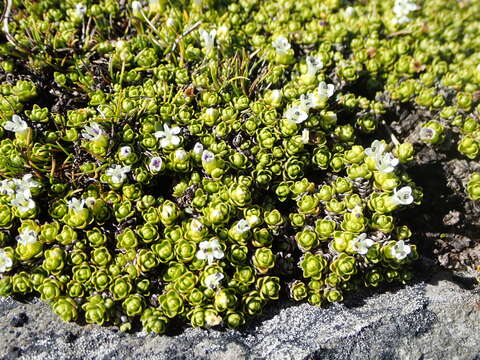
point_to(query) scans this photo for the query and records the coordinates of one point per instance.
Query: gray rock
(434, 319)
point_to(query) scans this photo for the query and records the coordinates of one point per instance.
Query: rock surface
(434, 318)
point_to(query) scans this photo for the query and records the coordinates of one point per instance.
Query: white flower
(136, 7)
(210, 250)
(315, 100)
(361, 244)
(76, 204)
(168, 136)
(22, 203)
(325, 90)
(90, 201)
(170, 22)
(20, 188)
(406, 5)
(17, 125)
(125, 151)
(211, 112)
(357, 211)
(427, 134)
(222, 31)
(120, 45)
(6, 261)
(306, 102)
(180, 154)
(305, 136)
(196, 225)
(208, 39)
(208, 156)
(198, 148)
(212, 281)
(253, 220)
(401, 9)
(401, 19)
(400, 250)
(154, 3)
(314, 63)
(242, 226)
(295, 114)
(349, 11)
(402, 196)
(281, 45)
(118, 173)
(28, 181)
(155, 164)
(211, 319)
(386, 163)
(167, 210)
(276, 95)
(216, 213)
(80, 10)
(375, 150)
(6, 187)
(93, 132)
(27, 236)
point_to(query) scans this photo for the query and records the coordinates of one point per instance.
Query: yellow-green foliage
(201, 159)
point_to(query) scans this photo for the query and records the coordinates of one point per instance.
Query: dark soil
(446, 225)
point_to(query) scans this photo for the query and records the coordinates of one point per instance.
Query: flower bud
(100, 256)
(169, 212)
(432, 132)
(75, 289)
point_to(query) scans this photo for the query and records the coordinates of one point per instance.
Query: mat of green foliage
(198, 160)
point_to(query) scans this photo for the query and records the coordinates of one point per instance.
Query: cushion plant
(202, 159)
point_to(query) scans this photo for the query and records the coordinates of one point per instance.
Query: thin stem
(185, 33)
(5, 18)
(392, 136)
(398, 33)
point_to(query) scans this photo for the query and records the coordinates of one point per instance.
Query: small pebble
(19, 320)
(69, 337)
(13, 353)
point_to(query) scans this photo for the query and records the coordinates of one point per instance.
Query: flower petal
(175, 140)
(159, 134)
(164, 142)
(218, 254)
(201, 255)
